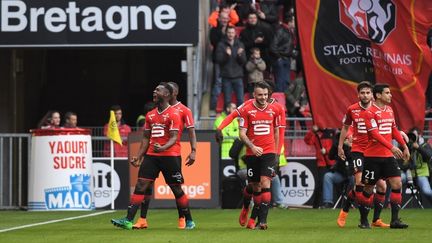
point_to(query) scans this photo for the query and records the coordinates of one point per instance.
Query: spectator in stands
(71, 120)
(281, 49)
(340, 172)
(267, 11)
(243, 8)
(124, 129)
(214, 17)
(255, 68)
(229, 133)
(217, 34)
(141, 118)
(322, 140)
(230, 55)
(257, 34)
(51, 120)
(296, 100)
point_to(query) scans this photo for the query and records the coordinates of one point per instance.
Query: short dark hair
(115, 108)
(168, 87)
(379, 88)
(174, 85)
(364, 84)
(262, 85)
(230, 27)
(254, 49)
(69, 114)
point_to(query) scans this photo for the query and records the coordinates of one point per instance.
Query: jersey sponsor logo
(361, 127)
(385, 128)
(261, 129)
(157, 131)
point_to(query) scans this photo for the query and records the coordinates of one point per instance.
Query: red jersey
(381, 121)
(186, 118)
(260, 124)
(279, 109)
(160, 124)
(352, 118)
(280, 112)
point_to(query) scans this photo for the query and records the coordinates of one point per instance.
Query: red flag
(344, 42)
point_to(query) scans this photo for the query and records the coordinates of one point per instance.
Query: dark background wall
(87, 81)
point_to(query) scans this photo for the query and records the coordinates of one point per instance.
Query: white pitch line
(55, 221)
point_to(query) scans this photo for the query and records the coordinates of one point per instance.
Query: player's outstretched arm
(190, 160)
(228, 120)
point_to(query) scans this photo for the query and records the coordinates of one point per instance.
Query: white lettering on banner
(346, 54)
(120, 20)
(191, 190)
(297, 183)
(102, 184)
(229, 170)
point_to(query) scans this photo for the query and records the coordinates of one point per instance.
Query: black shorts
(168, 165)
(376, 168)
(264, 165)
(357, 161)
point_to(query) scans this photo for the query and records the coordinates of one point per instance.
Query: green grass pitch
(213, 225)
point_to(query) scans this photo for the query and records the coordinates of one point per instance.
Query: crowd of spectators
(264, 47)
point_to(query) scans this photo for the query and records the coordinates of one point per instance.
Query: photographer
(417, 166)
(340, 172)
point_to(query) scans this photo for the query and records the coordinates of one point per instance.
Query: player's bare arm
(190, 160)
(257, 151)
(172, 140)
(342, 137)
(137, 160)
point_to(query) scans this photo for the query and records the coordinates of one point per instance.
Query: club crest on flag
(368, 19)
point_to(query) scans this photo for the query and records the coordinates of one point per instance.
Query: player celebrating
(379, 162)
(280, 111)
(187, 121)
(258, 121)
(162, 154)
(359, 143)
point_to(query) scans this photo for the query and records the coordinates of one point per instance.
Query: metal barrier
(15, 152)
(14, 157)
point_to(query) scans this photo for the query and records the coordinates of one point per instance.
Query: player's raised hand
(258, 151)
(136, 161)
(397, 152)
(190, 160)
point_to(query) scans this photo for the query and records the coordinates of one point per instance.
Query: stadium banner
(60, 170)
(201, 179)
(344, 42)
(103, 184)
(298, 179)
(72, 23)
